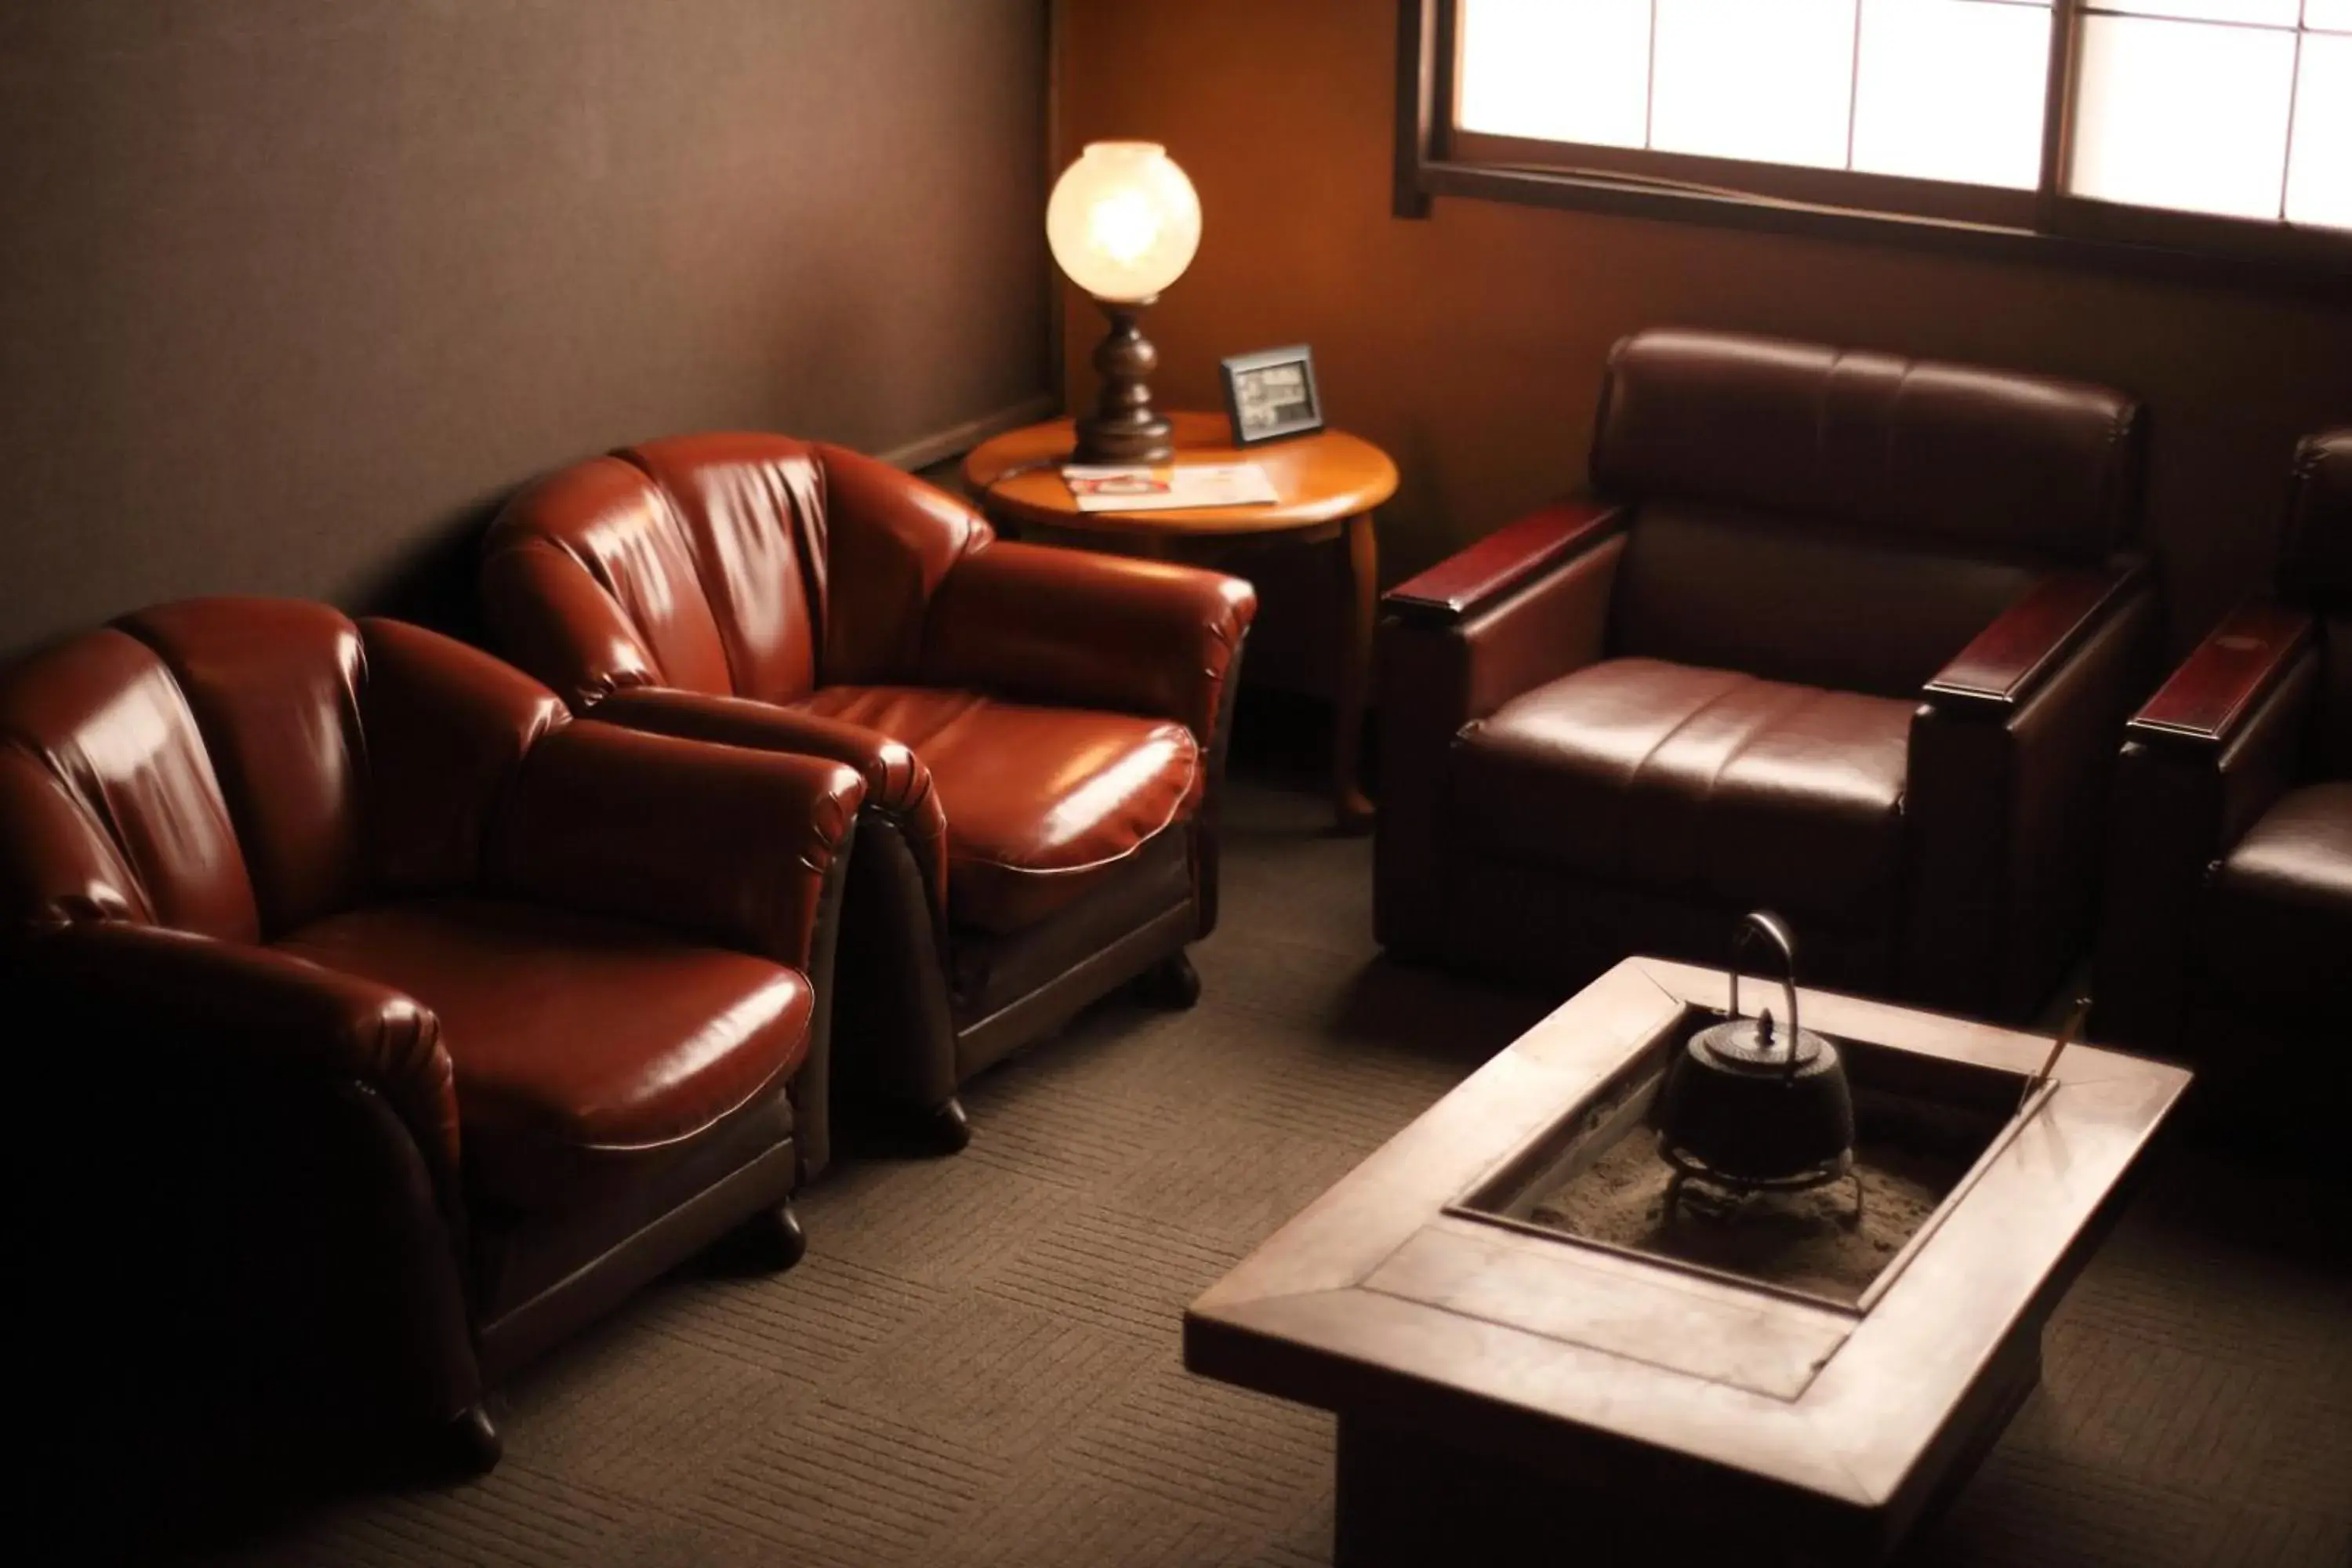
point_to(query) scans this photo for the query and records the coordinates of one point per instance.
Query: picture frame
(1271, 395)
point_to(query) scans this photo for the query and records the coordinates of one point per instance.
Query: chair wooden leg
(469, 1444)
(777, 1236)
(1172, 984)
(947, 1127)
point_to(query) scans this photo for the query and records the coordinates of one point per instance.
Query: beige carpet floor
(978, 1360)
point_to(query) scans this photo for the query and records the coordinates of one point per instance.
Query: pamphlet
(1169, 486)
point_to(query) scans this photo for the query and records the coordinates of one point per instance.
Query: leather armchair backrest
(238, 767)
(1834, 608)
(1903, 500)
(738, 564)
(109, 807)
(894, 539)
(275, 688)
(588, 581)
(820, 563)
(2315, 570)
(751, 508)
(448, 727)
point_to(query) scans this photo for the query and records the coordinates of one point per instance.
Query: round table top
(1317, 479)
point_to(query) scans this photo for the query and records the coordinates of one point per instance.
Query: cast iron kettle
(1752, 1101)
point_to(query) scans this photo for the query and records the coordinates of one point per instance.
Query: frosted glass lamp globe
(1123, 221)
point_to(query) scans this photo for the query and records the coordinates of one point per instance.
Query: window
(2212, 125)
(2242, 108)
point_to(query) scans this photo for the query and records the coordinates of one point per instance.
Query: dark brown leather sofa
(1041, 731)
(452, 1021)
(1837, 633)
(2229, 914)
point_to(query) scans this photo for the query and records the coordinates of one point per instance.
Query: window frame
(1436, 158)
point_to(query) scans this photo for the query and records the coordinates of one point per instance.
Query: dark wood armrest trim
(2009, 659)
(2220, 683)
(1475, 577)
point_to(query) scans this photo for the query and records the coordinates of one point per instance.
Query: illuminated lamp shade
(1123, 223)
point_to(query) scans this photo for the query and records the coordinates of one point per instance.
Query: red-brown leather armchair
(1837, 633)
(1041, 731)
(496, 1015)
(2229, 910)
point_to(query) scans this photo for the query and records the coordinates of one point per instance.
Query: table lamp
(1123, 223)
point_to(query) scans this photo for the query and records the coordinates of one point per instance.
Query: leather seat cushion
(1696, 783)
(1043, 804)
(2279, 917)
(584, 1049)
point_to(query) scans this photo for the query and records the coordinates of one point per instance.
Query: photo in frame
(1271, 394)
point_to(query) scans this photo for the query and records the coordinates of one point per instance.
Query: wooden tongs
(2075, 1019)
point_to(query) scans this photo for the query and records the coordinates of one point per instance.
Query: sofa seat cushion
(2279, 917)
(584, 1049)
(1043, 804)
(1698, 784)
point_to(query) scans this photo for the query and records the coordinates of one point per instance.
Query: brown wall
(290, 292)
(1470, 344)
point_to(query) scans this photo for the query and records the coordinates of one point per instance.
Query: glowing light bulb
(1123, 227)
(1123, 221)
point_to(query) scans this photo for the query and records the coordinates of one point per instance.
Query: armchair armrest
(1536, 610)
(896, 782)
(1101, 631)
(2208, 700)
(2009, 660)
(2012, 748)
(1512, 556)
(729, 844)
(2203, 759)
(279, 1011)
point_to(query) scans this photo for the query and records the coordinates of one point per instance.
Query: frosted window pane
(2319, 180)
(2272, 13)
(2335, 15)
(1768, 80)
(1952, 90)
(2183, 115)
(1558, 72)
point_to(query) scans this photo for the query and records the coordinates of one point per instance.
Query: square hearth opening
(1924, 1127)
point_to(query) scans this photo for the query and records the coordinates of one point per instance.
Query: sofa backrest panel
(274, 685)
(109, 804)
(752, 508)
(1730, 589)
(1929, 453)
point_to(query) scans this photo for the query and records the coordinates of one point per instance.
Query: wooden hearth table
(1509, 1394)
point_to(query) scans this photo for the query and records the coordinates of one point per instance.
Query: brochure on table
(1169, 486)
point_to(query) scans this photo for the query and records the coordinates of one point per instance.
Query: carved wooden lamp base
(1124, 426)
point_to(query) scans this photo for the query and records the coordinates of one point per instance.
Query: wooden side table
(1327, 485)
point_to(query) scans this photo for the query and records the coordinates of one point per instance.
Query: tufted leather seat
(1042, 803)
(491, 1015)
(1837, 633)
(1703, 783)
(584, 1050)
(1040, 730)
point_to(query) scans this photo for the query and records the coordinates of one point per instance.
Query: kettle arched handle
(1774, 929)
